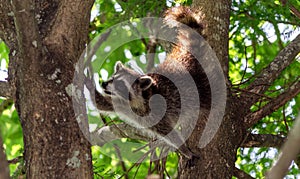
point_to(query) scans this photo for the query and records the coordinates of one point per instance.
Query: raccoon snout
(104, 85)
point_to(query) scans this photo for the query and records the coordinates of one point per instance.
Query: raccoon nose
(104, 85)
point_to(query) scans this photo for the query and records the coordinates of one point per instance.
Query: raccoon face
(127, 84)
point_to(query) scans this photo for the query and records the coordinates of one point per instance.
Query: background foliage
(258, 31)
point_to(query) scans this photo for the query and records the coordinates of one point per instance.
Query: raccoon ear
(118, 66)
(145, 82)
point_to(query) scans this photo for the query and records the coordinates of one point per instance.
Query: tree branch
(109, 133)
(16, 160)
(269, 74)
(273, 105)
(241, 174)
(263, 140)
(289, 152)
(117, 131)
(292, 8)
(295, 11)
(5, 89)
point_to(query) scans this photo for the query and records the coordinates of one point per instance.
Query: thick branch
(109, 133)
(263, 140)
(289, 152)
(273, 105)
(271, 72)
(5, 89)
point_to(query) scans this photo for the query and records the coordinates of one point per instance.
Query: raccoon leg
(103, 103)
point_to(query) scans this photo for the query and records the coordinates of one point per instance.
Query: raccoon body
(168, 101)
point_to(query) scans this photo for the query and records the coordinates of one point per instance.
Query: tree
(46, 39)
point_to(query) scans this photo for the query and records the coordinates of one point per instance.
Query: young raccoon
(168, 101)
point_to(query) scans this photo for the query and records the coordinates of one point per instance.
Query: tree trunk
(50, 38)
(217, 15)
(217, 159)
(4, 171)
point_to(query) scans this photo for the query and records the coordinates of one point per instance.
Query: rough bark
(4, 171)
(263, 140)
(217, 27)
(269, 74)
(273, 105)
(46, 40)
(217, 159)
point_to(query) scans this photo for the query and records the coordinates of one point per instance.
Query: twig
(284, 119)
(273, 105)
(253, 93)
(15, 160)
(118, 152)
(138, 163)
(295, 11)
(263, 140)
(269, 74)
(292, 8)
(244, 73)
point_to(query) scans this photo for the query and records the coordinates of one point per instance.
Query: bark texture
(217, 159)
(4, 171)
(217, 27)
(46, 39)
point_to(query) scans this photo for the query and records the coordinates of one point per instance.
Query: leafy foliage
(258, 31)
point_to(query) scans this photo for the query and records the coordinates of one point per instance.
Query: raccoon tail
(188, 25)
(185, 15)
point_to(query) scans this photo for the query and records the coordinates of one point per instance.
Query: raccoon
(168, 101)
